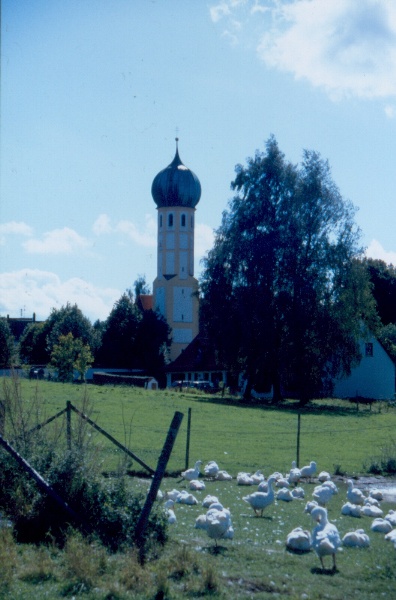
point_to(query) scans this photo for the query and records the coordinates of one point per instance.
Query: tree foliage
(33, 344)
(7, 349)
(383, 278)
(70, 354)
(284, 294)
(68, 319)
(387, 337)
(120, 333)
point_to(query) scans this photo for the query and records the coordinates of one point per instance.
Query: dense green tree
(152, 341)
(284, 296)
(33, 344)
(7, 344)
(68, 319)
(63, 356)
(387, 337)
(70, 354)
(119, 337)
(383, 278)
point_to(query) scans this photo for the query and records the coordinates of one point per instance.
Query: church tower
(176, 190)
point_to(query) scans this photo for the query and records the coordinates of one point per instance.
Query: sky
(93, 94)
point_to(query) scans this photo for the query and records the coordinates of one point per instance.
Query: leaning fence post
(188, 438)
(298, 438)
(158, 475)
(68, 424)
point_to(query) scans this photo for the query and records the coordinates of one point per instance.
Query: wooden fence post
(68, 424)
(2, 417)
(298, 439)
(159, 473)
(188, 438)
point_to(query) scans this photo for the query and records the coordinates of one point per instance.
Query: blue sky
(94, 92)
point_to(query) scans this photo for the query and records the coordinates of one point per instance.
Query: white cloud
(57, 241)
(375, 250)
(146, 236)
(14, 228)
(102, 225)
(35, 291)
(390, 111)
(345, 47)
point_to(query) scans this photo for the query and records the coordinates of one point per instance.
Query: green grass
(255, 564)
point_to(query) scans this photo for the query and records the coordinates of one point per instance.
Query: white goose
(192, 473)
(257, 477)
(294, 474)
(370, 510)
(322, 494)
(196, 485)
(299, 540)
(285, 495)
(351, 510)
(391, 517)
(324, 476)
(309, 470)
(211, 469)
(356, 539)
(260, 500)
(208, 500)
(244, 479)
(354, 495)
(219, 524)
(381, 525)
(170, 513)
(223, 476)
(325, 537)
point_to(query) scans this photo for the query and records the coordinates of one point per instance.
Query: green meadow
(342, 439)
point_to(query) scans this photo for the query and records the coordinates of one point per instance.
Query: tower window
(192, 222)
(170, 220)
(160, 219)
(183, 220)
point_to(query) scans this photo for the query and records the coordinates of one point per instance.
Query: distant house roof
(198, 356)
(146, 301)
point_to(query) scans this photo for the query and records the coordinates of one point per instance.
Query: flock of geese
(324, 539)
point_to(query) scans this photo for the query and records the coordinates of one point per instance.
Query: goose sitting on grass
(294, 475)
(169, 511)
(354, 495)
(381, 525)
(192, 473)
(325, 537)
(351, 510)
(211, 469)
(391, 517)
(324, 476)
(208, 500)
(196, 485)
(369, 510)
(186, 498)
(244, 479)
(223, 476)
(260, 500)
(356, 539)
(257, 477)
(299, 540)
(285, 495)
(322, 494)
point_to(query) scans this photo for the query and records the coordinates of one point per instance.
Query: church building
(176, 190)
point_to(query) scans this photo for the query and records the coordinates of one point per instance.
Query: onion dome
(176, 185)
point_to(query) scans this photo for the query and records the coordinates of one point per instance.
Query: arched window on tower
(183, 220)
(170, 220)
(160, 219)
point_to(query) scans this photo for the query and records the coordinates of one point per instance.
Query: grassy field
(255, 564)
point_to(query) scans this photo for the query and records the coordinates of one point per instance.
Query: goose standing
(354, 495)
(325, 537)
(260, 500)
(193, 473)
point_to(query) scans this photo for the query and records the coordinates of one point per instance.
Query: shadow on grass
(319, 571)
(216, 550)
(348, 408)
